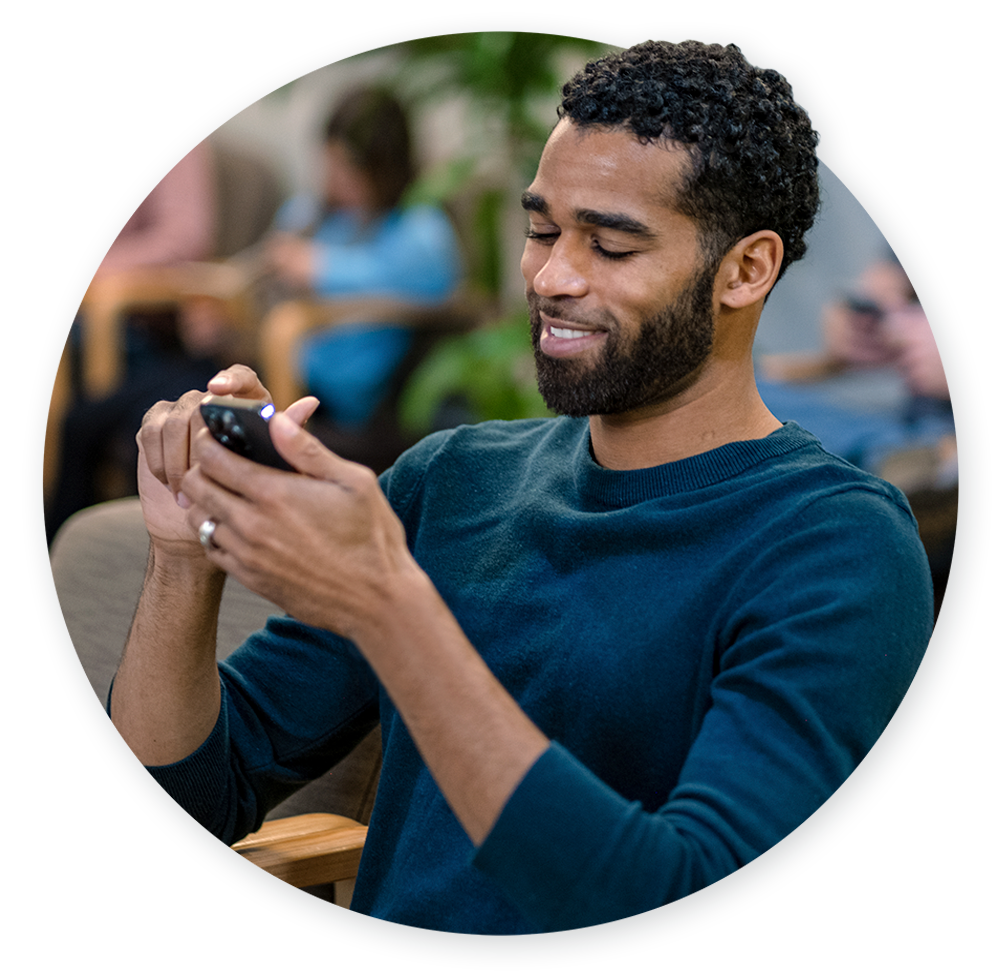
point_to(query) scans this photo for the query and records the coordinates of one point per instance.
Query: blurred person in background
(360, 238)
(880, 324)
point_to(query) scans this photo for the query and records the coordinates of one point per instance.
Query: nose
(554, 271)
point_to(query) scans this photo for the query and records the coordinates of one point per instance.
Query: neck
(722, 405)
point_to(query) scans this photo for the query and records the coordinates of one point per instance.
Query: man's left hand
(322, 543)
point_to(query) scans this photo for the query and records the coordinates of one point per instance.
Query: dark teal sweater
(713, 645)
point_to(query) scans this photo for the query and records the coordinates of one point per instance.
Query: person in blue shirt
(617, 654)
(361, 239)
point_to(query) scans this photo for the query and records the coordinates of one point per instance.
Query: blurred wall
(897, 91)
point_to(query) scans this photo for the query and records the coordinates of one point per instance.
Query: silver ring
(205, 533)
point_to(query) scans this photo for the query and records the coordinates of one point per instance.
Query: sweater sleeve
(295, 700)
(821, 640)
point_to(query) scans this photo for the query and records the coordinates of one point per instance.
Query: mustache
(564, 310)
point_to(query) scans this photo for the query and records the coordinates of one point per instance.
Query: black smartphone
(240, 424)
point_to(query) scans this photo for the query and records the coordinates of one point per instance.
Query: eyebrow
(533, 203)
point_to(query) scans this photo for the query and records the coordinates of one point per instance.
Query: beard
(668, 348)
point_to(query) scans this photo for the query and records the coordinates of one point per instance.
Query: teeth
(567, 332)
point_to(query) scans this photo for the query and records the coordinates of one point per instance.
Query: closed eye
(533, 234)
(611, 254)
(548, 239)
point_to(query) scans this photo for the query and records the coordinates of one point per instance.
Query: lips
(567, 333)
(560, 339)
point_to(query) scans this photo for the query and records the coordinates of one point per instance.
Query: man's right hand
(165, 438)
(166, 692)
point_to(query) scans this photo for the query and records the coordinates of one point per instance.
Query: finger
(175, 438)
(240, 381)
(176, 450)
(150, 434)
(197, 518)
(299, 412)
(152, 455)
(151, 452)
(228, 474)
(308, 455)
(207, 498)
(150, 439)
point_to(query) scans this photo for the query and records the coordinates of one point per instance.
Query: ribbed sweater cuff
(194, 781)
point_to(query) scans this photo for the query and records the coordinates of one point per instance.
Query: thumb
(303, 451)
(300, 412)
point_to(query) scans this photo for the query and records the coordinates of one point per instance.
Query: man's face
(620, 301)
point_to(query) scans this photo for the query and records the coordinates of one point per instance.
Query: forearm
(476, 741)
(328, 549)
(165, 699)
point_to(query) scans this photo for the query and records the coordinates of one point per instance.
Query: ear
(749, 270)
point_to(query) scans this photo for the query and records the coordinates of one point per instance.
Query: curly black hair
(752, 148)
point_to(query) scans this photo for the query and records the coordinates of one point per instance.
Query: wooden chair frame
(286, 326)
(101, 319)
(282, 331)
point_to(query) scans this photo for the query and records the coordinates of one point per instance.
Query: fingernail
(183, 502)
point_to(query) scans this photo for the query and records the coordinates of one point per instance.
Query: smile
(561, 339)
(568, 333)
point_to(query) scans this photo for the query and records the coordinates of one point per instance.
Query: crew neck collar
(615, 487)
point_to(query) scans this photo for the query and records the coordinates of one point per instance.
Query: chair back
(248, 194)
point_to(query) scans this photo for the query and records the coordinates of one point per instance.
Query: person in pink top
(99, 131)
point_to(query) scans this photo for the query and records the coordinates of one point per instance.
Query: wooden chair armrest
(107, 890)
(111, 294)
(288, 323)
(108, 295)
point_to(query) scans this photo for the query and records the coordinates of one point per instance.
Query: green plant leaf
(439, 184)
(490, 370)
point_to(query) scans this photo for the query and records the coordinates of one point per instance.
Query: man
(615, 655)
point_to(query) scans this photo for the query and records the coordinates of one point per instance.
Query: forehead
(609, 169)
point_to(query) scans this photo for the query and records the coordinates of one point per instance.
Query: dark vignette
(792, 855)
